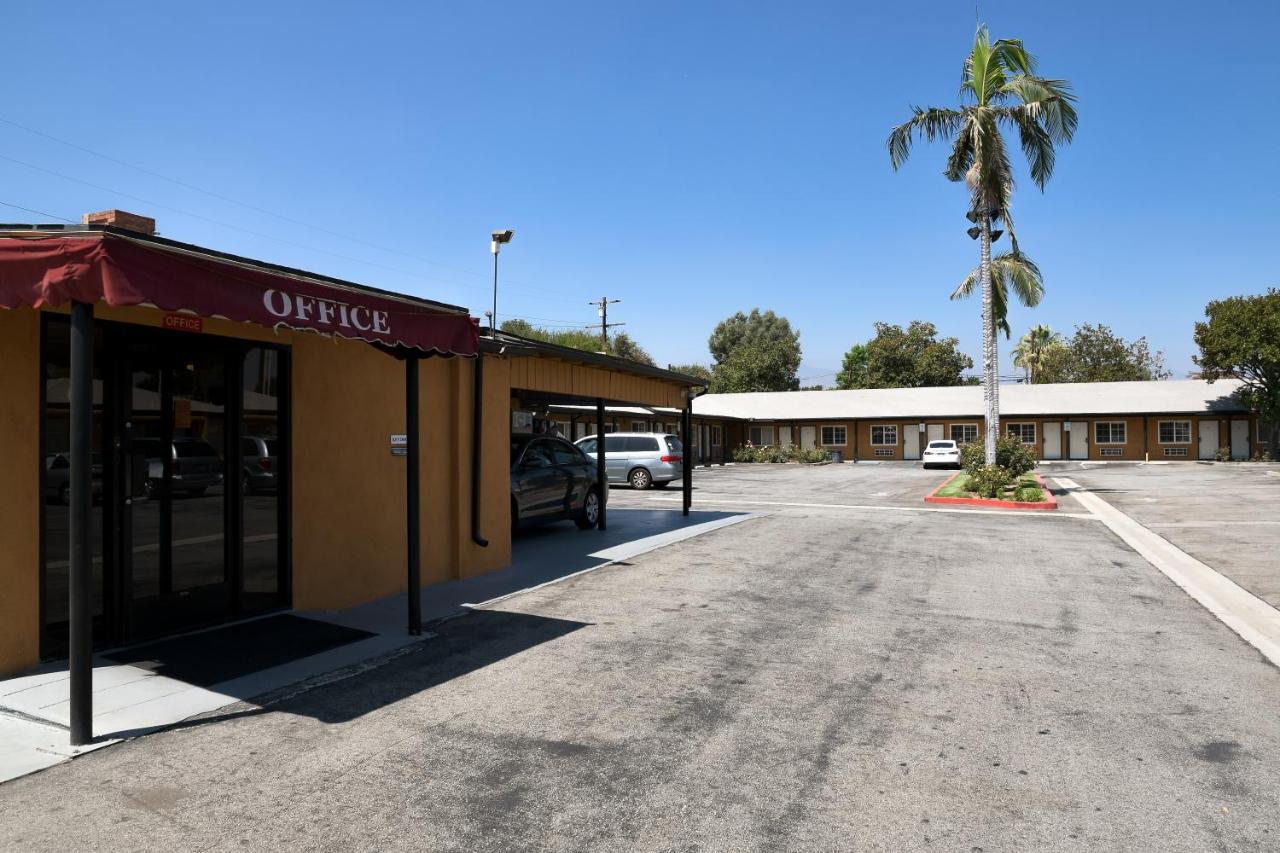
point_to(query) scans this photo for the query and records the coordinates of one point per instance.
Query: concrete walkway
(130, 701)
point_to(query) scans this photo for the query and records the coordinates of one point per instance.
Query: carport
(541, 375)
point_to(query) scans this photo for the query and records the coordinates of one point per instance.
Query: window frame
(1173, 422)
(883, 428)
(960, 442)
(1124, 428)
(761, 428)
(844, 433)
(716, 435)
(1035, 431)
(640, 426)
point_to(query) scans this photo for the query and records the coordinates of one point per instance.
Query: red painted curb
(1051, 502)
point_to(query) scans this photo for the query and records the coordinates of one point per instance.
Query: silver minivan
(642, 459)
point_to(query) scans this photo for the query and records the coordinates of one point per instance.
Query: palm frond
(1050, 102)
(962, 153)
(1013, 56)
(931, 123)
(1009, 271)
(991, 176)
(1036, 144)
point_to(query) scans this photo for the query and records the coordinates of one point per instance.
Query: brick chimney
(121, 219)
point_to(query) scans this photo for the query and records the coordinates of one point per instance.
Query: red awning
(121, 271)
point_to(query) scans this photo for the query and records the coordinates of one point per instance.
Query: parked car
(552, 480)
(943, 452)
(196, 465)
(57, 477)
(642, 459)
(260, 458)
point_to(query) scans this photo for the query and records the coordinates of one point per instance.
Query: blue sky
(691, 159)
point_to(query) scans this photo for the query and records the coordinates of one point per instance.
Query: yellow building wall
(558, 376)
(19, 489)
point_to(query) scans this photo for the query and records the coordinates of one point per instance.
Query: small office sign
(399, 444)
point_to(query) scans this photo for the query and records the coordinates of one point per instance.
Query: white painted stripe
(1206, 523)
(1015, 513)
(1257, 622)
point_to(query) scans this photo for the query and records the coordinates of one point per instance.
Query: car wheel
(589, 516)
(640, 479)
(64, 494)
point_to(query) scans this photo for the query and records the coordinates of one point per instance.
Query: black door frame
(118, 623)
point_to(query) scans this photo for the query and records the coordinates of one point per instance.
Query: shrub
(1029, 494)
(989, 481)
(816, 454)
(1223, 454)
(772, 453)
(1011, 454)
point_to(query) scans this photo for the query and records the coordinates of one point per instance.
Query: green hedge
(771, 453)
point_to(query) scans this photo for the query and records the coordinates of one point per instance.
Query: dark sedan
(552, 480)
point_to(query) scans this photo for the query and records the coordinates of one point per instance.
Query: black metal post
(81, 483)
(686, 429)
(413, 494)
(477, 434)
(601, 476)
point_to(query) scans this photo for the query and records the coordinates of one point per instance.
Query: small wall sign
(399, 444)
(521, 422)
(183, 323)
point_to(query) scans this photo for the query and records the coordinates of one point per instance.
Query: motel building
(1172, 421)
(193, 438)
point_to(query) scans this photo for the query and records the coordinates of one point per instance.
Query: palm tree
(1009, 271)
(1031, 348)
(999, 89)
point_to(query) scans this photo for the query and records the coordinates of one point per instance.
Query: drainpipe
(413, 494)
(477, 422)
(80, 605)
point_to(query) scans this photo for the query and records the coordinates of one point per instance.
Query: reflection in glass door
(190, 482)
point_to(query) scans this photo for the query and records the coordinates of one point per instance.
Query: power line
(38, 212)
(254, 208)
(603, 307)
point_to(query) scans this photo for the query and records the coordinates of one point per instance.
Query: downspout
(477, 427)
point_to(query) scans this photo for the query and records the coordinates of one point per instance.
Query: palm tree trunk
(989, 367)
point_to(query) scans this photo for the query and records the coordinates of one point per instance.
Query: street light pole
(495, 245)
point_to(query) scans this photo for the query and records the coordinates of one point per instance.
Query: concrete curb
(1050, 503)
(1257, 622)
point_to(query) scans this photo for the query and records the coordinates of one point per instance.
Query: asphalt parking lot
(848, 671)
(1225, 515)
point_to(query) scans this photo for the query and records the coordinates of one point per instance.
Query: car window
(941, 445)
(248, 447)
(566, 454)
(615, 444)
(637, 443)
(588, 446)
(271, 446)
(189, 449)
(537, 455)
(674, 444)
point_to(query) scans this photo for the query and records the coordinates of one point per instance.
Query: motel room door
(1240, 439)
(1208, 439)
(1078, 441)
(1053, 440)
(911, 442)
(935, 432)
(808, 437)
(784, 436)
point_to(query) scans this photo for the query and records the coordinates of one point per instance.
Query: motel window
(1026, 433)
(639, 426)
(715, 436)
(964, 433)
(884, 434)
(1175, 432)
(835, 436)
(1109, 432)
(760, 435)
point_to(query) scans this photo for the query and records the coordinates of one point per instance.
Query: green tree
(1010, 271)
(1030, 350)
(759, 366)
(1097, 354)
(620, 345)
(762, 341)
(999, 90)
(1240, 339)
(853, 370)
(701, 371)
(914, 357)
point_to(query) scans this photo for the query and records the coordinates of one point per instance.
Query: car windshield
(942, 445)
(674, 444)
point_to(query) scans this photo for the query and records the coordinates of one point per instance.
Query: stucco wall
(19, 489)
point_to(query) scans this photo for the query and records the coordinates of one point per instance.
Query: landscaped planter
(1049, 502)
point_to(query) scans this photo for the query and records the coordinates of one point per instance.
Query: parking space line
(1257, 622)
(713, 501)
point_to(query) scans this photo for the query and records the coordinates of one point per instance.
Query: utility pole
(602, 308)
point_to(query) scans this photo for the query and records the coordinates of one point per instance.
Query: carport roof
(514, 344)
(1183, 396)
